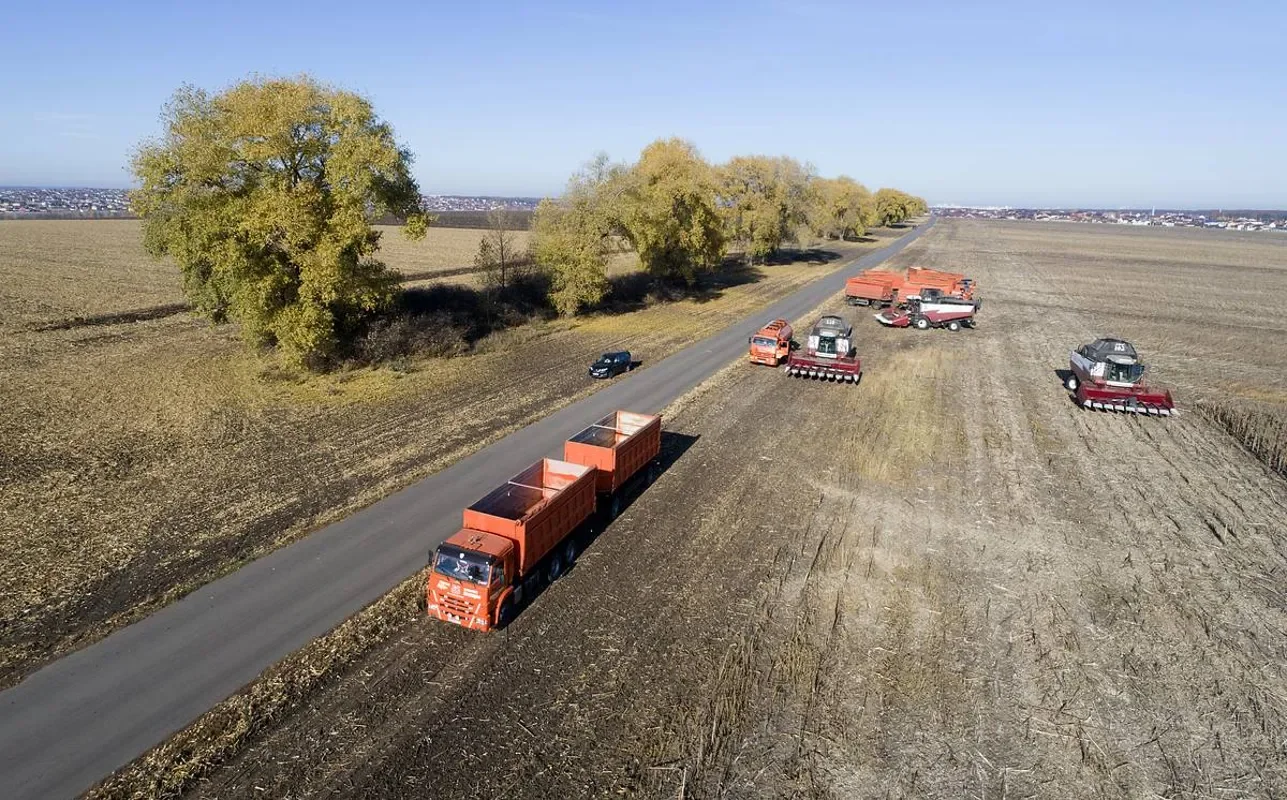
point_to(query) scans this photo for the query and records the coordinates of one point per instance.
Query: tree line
(265, 195)
(683, 215)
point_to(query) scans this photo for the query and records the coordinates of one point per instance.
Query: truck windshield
(763, 341)
(462, 565)
(826, 345)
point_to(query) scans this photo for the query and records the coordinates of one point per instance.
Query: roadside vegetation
(266, 194)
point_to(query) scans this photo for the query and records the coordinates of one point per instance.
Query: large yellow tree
(764, 200)
(669, 211)
(265, 194)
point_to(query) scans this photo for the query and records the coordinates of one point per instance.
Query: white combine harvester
(931, 309)
(1107, 375)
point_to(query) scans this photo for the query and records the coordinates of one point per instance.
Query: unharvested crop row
(1259, 427)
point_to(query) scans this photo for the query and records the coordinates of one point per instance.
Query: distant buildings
(455, 202)
(31, 201)
(1231, 220)
(34, 201)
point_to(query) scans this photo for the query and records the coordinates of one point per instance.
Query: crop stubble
(142, 459)
(947, 581)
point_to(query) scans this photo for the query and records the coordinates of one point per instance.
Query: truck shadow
(673, 447)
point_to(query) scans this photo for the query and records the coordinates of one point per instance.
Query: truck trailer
(874, 288)
(528, 531)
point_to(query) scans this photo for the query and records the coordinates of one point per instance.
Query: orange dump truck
(528, 530)
(873, 288)
(772, 344)
(952, 284)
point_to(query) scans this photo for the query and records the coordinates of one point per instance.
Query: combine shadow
(673, 447)
(1063, 375)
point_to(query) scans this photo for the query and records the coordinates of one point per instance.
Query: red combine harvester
(931, 309)
(828, 353)
(1108, 375)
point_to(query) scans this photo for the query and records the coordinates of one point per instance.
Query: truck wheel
(921, 323)
(953, 326)
(555, 569)
(506, 613)
(614, 508)
(1072, 383)
(569, 552)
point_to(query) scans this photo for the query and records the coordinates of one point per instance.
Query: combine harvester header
(1107, 375)
(528, 530)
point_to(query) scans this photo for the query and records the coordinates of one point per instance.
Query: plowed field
(947, 581)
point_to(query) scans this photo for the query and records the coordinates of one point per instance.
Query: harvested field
(948, 581)
(143, 459)
(56, 270)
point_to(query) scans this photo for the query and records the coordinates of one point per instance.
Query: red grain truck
(528, 530)
(873, 288)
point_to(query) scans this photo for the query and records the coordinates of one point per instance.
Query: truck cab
(771, 345)
(470, 578)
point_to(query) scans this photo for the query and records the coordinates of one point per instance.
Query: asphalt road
(72, 723)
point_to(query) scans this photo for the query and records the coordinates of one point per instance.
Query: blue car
(611, 364)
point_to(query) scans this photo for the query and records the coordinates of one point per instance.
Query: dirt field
(54, 270)
(143, 459)
(948, 581)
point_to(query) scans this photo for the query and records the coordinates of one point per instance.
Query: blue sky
(1137, 104)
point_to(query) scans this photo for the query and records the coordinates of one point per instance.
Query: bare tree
(499, 255)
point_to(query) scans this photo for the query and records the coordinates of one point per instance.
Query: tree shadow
(638, 290)
(445, 319)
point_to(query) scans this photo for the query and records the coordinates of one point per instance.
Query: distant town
(1236, 220)
(33, 202)
(88, 203)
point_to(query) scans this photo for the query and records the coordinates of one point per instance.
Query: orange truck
(772, 344)
(873, 288)
(530, 529)
(952, 284)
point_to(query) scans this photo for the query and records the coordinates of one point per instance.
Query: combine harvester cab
(1107, 375)
(931, 309)
(873, 288)
(772, 344)
(829, 354)
(525, 532)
